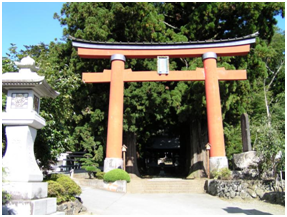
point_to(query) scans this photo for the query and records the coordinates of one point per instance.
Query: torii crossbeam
(118, 52)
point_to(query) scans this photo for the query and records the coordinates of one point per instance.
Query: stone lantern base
(23, 180)
(45, 206)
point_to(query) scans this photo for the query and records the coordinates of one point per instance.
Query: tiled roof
(248, 39)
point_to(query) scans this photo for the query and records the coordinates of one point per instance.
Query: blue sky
(29, 23)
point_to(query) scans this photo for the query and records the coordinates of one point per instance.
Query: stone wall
(117, 186)
(247, 189)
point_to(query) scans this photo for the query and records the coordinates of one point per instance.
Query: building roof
(248, 39)
(164, 142)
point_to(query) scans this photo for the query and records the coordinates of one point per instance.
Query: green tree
(269, 106)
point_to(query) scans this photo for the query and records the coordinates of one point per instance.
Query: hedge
(115, 175)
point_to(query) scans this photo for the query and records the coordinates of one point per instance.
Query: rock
(250, 173)
(236, 174)
(212, 188)
(221, 194)
(239, 188)
(232, 194)
(246, 160)
(234, 187)
(259, 192)
(227, 195)
(244, 185)
(251, 193)
(62, 207)
(71, 207)
(243, 195)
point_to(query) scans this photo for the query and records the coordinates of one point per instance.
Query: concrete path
(101, 202)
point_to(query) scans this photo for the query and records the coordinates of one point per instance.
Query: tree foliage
(77, 119)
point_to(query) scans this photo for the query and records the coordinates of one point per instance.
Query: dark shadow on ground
(8, 211)
(245, 211)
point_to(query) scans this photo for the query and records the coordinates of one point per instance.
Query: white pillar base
(113, 163)
(217, 163)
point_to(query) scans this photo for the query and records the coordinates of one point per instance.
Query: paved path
(101, 202)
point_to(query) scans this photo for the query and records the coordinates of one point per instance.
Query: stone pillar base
(26, 190)
(217, 163)
(45, 206)
(113, 163)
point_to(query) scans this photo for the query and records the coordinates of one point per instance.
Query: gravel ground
(101, 202)
(273, 209)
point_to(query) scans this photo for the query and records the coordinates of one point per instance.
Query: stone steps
(166, 186)
(155, 185)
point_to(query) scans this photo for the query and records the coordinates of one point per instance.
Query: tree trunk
(267, 106)
(198, 140)
(131, 153)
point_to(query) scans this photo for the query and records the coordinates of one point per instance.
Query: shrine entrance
(210, 74)
(162, 157)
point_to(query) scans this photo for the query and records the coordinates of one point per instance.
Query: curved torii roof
(222, 47)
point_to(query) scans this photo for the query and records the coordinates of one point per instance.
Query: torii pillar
(217, 158)
(115, 118)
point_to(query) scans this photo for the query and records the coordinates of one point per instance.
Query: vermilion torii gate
(208, 50)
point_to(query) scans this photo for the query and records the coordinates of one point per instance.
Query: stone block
(112, 163)
(44, 206)
(26, 190)
(117, 186)
(246, 160)
(217, 163)
(245, 133)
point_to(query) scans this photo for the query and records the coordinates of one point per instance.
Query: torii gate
(208, 50)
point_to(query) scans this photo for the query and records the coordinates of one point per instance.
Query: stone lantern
(24, 90)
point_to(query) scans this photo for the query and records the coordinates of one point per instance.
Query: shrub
(54, 176)
(56, 190)
(116, 174)
(100, 175)
(223, 174)
(63, 188)
(6, 197)
(91, 170)
(71, 187)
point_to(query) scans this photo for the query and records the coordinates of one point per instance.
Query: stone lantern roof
(28, 79)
